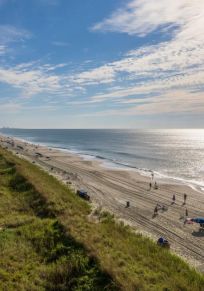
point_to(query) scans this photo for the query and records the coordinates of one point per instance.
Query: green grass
(36, 252)
(47, 241)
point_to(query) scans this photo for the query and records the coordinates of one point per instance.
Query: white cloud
(174, 66)
(188, 82)
(141, 17)
(170, 71)
(174, 102)
(185, 49)
(2, 49)
(104, 74)
(9, 33)
(30, 80)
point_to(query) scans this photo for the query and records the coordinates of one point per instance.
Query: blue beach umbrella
(198, 220)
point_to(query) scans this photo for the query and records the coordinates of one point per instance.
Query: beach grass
(49, 242)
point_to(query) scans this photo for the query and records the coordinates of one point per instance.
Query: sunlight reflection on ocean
(176, 153)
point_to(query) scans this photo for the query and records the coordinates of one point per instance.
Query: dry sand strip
(110, 189)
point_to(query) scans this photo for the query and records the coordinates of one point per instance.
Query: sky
(102, 63)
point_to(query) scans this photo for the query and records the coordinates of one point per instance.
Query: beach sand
(111, 188)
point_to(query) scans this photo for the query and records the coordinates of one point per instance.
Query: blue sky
(101, 64)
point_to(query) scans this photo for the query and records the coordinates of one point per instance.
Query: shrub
(19, 183)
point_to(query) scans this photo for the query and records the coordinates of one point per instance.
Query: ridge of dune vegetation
(49, 242)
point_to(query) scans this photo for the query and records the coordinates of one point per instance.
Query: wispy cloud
(60, 44)
(141, 17)
(9, 33)
(30, 79)
(174, 102)
(165, 77)
(104, 74)
(2, 49)
(173, 66)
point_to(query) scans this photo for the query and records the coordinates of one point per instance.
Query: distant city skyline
(102, 64)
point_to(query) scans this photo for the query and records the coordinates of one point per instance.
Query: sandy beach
(110, 189)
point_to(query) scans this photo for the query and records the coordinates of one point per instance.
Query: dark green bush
(19, 183)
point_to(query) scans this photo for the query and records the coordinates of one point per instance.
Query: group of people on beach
(163, 207)
(155, 185)
(184, 198)
(159, 207)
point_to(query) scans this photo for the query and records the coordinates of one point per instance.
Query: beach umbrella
(198, 219)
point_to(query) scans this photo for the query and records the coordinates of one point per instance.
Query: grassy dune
(48, 242)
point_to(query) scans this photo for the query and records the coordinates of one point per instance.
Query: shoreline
(110, 164)
(111, 188)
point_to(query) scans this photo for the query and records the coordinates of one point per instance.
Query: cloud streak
(173, 66)
(141, 17)
(2, 49)
(31, 80)
(161, 78)
(9, 34)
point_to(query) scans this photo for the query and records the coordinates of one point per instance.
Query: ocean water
(174, 154)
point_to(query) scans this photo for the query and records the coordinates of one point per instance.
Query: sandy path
(112, 188)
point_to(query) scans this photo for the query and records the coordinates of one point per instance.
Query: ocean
(173, 154)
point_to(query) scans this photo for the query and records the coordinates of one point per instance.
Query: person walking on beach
(186, 212)
(184, 198)
(127, 204)
(155, 210)
(150, 186)
(173, 199)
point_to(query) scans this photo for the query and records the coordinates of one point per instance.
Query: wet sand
(111, 188)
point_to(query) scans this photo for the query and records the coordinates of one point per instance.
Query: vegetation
(48, 242)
